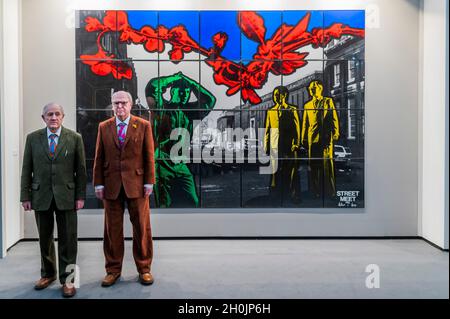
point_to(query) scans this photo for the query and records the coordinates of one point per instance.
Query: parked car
(342, 152)
(342, 160)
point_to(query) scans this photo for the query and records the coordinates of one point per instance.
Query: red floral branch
(277, 55)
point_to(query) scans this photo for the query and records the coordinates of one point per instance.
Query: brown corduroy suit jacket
(132, 166)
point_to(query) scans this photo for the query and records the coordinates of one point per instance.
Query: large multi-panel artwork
(252, 109)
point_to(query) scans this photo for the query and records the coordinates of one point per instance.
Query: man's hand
(79, 204)
(100, 193)
(147, 191)
(26, 205)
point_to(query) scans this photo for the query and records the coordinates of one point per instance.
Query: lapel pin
(135, 125)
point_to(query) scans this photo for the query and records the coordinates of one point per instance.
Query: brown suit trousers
(124, 171)
(113, 241)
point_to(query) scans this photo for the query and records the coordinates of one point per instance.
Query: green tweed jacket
(63, 176)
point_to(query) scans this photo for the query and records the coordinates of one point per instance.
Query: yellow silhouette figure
(320, 128)
(282, 142)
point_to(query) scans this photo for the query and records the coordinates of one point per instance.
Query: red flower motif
(152, 42)
(102, 68)
(92, 25)
(219, 40)
(181, 43)
(277, 55)
(295, 37)
(179, 36)
(255, 75)
(226, 73)
(250, 95)
(129, 35)
(176, 54)
(103, 65)
(163, 32)
(100, 55)
(252, 25)
(122, 70)
(116, 20)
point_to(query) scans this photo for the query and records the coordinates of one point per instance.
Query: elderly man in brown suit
(124, 173)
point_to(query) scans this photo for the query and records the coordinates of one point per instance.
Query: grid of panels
(339, 66)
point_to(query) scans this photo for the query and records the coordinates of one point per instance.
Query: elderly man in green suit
(53, 184)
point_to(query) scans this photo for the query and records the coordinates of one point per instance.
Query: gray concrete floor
(248, 269)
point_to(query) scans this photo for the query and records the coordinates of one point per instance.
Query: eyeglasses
(119, 103)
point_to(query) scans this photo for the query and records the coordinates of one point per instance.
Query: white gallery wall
(11, 129)
(393, 56)
(433, 123)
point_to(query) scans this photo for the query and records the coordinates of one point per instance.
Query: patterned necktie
(121, 133)
(52, 147)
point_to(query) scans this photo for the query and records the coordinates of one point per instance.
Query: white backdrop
(391, 142)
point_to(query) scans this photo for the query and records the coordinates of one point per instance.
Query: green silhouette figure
(175, 179)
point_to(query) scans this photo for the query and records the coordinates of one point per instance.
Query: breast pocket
(65, 152)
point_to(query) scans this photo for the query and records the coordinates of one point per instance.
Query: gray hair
(45, 109)
(130, 98)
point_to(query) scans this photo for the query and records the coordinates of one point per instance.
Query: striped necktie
(52, 147)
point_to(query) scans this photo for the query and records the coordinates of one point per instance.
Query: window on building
(362, 70)
(337, 75)
(252, 128)
(351, 119)
(351, 70)
(363, 121)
